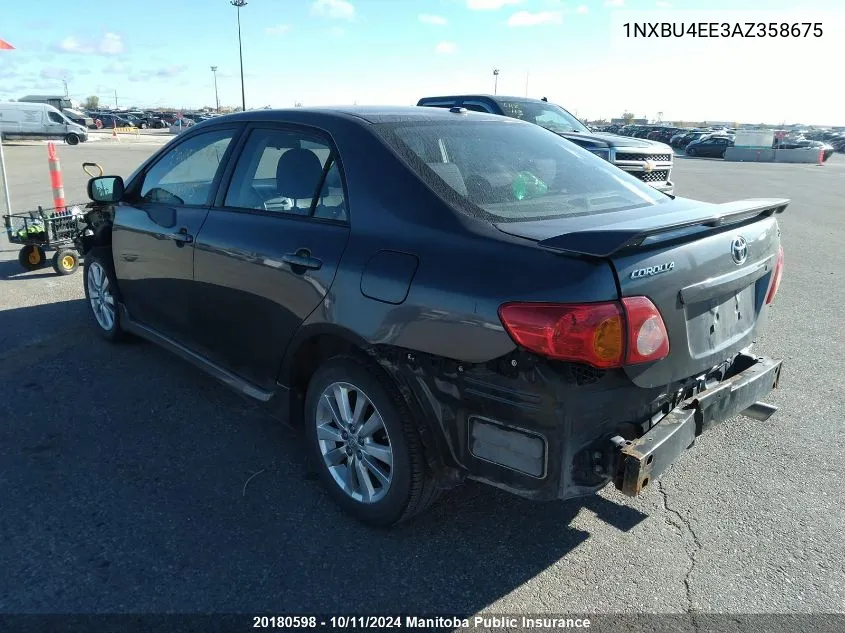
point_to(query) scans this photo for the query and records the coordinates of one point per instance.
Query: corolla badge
(739, 250)
(650, 271)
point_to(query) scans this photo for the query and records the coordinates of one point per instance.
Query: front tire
(691, 151)
(72, 139)
(365, 443)
(102, 294)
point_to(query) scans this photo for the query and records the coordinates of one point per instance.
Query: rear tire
(32, 257)
(383, 442)
(66, 261)
(102, 294)
(72, 139)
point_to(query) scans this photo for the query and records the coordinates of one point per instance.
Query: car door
(56, 125)
(267, 254)
(156, 225)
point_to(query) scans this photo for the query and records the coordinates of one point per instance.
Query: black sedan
(112, 120)
(435, 295)
(709, 147)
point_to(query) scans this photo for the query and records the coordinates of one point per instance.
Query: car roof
(368, 114)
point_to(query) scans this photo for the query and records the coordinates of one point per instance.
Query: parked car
(80, 118)
(113, 120)
(649, 161)
(30, 120)
(688, 138)
(384, 275)
(803, 143)
(710, 146)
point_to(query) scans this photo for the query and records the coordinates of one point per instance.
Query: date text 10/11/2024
(416, 622)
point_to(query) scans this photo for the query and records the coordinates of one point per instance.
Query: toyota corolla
(435, 296)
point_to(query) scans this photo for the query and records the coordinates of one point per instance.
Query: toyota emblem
(739, 250)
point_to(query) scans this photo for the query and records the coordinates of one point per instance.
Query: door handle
(182, 237)
(302, 259)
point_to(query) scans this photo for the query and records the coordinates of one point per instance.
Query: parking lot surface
(132, 482)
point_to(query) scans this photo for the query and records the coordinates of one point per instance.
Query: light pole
(495, 81)
(216, 98)
(238, 4)
(64, 81)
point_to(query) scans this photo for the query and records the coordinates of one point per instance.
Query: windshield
(510, 172)
(546, 115)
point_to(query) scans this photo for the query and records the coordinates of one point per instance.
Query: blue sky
(159, 53)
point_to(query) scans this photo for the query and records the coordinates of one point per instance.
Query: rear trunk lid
(707, 268)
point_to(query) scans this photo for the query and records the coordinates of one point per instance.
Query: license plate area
(719, 322)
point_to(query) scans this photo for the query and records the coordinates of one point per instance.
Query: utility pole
(216, 98)
(115, 99)
(527, 75)
(238, 4)
(64, 81)
(495, 81)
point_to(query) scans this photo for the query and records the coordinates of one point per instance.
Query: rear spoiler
(608, 242)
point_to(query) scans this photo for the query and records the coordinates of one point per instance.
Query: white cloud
(337, 31)
(664, 5)
(526, 18)
(279, 29)
(116, 68)
(490, 5)
(56, 73)
(171, 71)
(445, 48)
(582, 9)
(112, 44)
(73, 45)
(614, 3)
(334, 9)
(427, 18)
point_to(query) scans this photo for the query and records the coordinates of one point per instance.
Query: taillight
(777, 274)
(593, 333)
(647, 336)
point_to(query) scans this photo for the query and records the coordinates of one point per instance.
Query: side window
(185, 174)
(55, 117)
(282, 171)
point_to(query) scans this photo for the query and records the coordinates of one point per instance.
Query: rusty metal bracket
(645, 458)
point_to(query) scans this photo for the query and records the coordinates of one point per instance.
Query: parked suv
(435, 296)
(649, 161)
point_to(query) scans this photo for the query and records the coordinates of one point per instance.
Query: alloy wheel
(100, 296)
(354, 442)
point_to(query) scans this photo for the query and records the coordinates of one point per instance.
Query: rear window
(510, 172)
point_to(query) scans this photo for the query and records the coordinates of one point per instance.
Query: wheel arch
(313, 345)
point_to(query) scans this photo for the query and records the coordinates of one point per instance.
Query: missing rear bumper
(641, 460)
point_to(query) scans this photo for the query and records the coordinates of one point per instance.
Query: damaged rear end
(694, 283)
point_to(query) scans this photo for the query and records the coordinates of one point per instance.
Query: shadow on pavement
(131, 482)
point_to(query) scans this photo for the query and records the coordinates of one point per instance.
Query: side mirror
(106, 189)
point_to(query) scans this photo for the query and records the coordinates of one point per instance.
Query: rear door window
(289, 172)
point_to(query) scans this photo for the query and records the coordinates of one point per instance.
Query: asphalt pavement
(130, 481)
